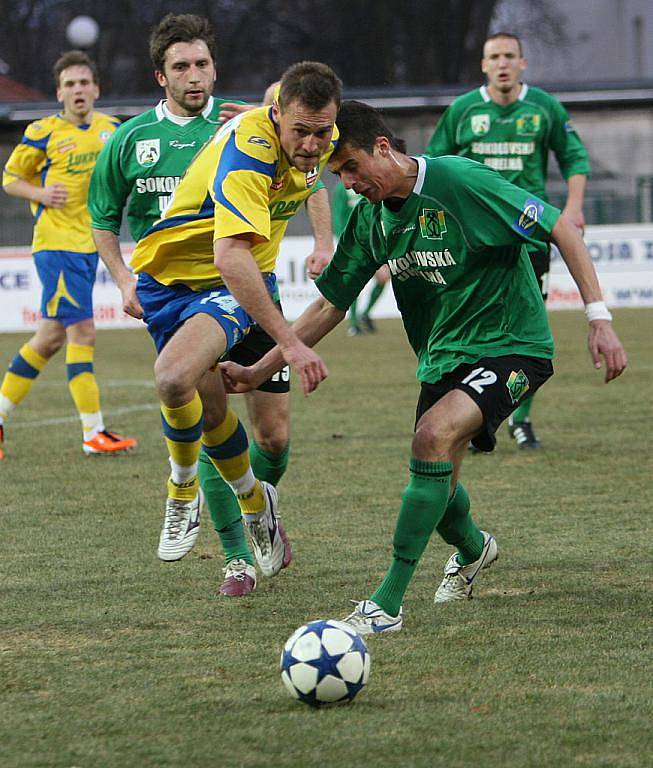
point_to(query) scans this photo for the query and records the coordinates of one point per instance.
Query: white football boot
(459, 579)
(369, 618)
(268, 536)
(181, 527)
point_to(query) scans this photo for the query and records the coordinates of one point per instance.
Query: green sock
(423, 503)
(225, 512)
(353, 317)
(375, 295)
(522, 412)
(269, 467)
(458, 529)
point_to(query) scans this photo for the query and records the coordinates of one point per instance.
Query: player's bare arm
(573, 209)
(53, 196)
(319, 213)
(317, 320)
(233, 258)
(602, 341)
(108, 246)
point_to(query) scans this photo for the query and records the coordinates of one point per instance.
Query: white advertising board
(623, 256)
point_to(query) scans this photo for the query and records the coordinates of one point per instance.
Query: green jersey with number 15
(460, 269)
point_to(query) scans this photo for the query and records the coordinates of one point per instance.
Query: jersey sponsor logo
(67, 147)
(157, 184)
(432, 224)
(81, 162)
(148, 152)
(423, 264)
(528, 124)
(181, 145)
(312, 176)
(480, 124)
(260, 141)
(531, 213)
(518, 385)
(503, 147)
(284, 209)
(504, 163)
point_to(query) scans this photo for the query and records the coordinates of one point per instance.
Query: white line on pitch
(68, 419)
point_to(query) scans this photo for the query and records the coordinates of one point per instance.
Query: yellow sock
(20, 377)
(83, 387)
(227, 447)
(182, 428)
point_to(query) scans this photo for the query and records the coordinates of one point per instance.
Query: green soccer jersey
(460, 269)
(144, 161)
(514, 139)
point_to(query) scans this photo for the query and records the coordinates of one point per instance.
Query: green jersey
(145, 159)
(460, 269)
(514, 139)
(343, 201)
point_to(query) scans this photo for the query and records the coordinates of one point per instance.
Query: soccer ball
(324, 662)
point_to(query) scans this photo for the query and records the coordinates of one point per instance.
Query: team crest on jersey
(432, 224)
(480, 124)
(104, 136)
(148, 152)
(528, 124)
(531, 213)
(518, 385)
(312, 176)
(277, 184)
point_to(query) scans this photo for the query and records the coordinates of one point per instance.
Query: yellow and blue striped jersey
(240, 183)
(54, 149)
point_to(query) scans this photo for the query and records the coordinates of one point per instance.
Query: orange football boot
(106, 443)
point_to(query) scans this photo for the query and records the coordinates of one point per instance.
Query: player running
(51, 167)
(454, 235)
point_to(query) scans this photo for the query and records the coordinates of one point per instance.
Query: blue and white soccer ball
(324, 662)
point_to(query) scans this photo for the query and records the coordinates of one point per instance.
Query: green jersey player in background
(511, 127)
(454, 235)
(343, 201)
(143, 164)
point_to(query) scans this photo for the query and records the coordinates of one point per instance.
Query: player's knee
(275, 442)
(432, 442)
(172, 384)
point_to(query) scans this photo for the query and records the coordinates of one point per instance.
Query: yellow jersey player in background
(51, 168)
(206, 282)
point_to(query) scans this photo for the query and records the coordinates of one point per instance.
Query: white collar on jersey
(162, 112)
(521, 97)
(421, 172)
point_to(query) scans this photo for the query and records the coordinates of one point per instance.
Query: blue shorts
(67, 279)
(166, 307)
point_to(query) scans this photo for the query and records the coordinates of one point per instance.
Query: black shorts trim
(251, 349)
(497, 385)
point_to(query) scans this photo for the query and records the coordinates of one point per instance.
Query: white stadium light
(82, 32)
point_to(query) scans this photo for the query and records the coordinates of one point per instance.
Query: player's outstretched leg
(459, 579)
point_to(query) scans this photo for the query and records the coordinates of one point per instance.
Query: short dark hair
(509, 35)
(361, 125)
(73, 59)
(314, 84)
(180, 28)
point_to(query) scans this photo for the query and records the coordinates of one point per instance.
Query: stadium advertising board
(623, 256)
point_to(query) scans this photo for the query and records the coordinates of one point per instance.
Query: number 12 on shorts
(480, 378)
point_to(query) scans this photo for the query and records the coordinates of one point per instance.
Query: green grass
(110, 658)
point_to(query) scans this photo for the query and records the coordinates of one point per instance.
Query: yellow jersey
(241, 182)
(54, 149)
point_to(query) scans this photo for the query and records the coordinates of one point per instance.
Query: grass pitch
(109, 657)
